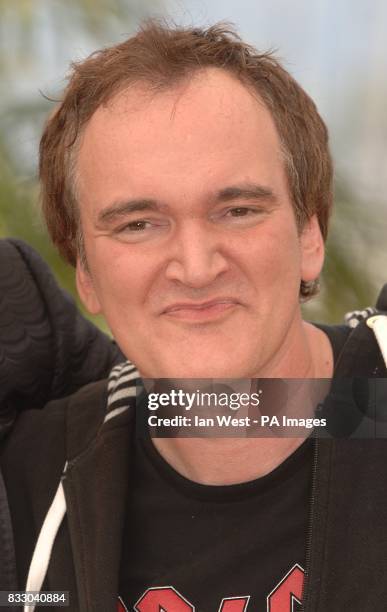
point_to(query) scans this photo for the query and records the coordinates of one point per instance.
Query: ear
(312, 250)
(86, 289)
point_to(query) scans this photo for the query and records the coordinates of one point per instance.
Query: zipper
(309, 534)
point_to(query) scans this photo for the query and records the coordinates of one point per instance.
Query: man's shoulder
(58, 431)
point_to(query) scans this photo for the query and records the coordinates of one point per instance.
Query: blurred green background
(40, 37)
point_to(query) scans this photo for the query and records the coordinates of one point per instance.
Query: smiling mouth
(206, 311)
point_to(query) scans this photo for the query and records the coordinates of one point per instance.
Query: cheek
(272, 256)
(121, 278)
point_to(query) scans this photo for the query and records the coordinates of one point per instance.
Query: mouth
(201, 312)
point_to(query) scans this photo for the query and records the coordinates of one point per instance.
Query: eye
(240, 216)
(137, 226)
(139, 230)
(240, 211)
(243, 212)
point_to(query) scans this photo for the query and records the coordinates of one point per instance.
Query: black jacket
(47, 350)
(347, 538)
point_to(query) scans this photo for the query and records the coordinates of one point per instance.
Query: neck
(226, 461)
(305, 352)
(219, 461)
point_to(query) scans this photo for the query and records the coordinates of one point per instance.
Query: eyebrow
(228, 194)
(125, 207)
(245, 192)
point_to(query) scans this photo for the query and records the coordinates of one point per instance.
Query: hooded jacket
(71, 465)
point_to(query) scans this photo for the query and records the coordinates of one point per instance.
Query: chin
(202, 368)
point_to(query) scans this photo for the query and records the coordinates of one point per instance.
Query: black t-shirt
(229, 548)
(232, 548)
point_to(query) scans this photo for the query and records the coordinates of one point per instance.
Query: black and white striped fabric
(353, 318)
(122, 385)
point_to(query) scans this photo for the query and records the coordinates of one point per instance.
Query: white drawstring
(378, 324)
(44, 544)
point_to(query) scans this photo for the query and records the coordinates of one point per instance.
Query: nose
(197, 257)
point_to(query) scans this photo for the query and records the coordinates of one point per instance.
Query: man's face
(193, 252)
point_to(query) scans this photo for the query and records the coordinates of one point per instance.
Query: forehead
(211, 125)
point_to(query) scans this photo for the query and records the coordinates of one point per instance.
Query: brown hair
(161, 56)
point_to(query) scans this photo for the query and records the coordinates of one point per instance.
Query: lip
(201, 311)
